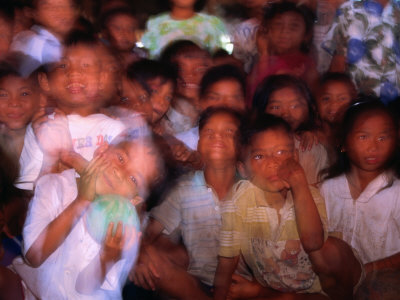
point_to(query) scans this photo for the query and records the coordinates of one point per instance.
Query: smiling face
(19, 100)
(288, 104)
(267, 151)
(371, 142)
(218, 138)
(133, 166)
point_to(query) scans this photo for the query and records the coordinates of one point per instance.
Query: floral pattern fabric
(205, 30)
(367, 34)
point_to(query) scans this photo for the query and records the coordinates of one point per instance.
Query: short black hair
(222, 72)
(339, 77)
(117, 11)
(177, 48)
(166, 4)
(208, 113)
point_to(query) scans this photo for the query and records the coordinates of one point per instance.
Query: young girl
(334, 96)
(362, 189)
(288, 97)
(183, 22)
(283, 42)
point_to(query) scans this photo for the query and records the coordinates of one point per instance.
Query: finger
(236, 278)
(39, 114)
(74, 160)
(109, 231)
(118, 232)
(153, 270)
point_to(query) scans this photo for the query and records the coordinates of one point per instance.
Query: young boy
(192, 210)
(77, 84)
(275, 220)
(54, 19)
(62, 261)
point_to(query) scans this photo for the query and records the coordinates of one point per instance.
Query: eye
(325, 98)
(121, 159)
(168, 98)
(61, 66)
(85, 65)
(274, 107)
(382, 138)
(25, 94)
(258, 156)
(294, 106)
(143, 98)
(362, 137)
(133, 179)
(3, 94)
(124, 99)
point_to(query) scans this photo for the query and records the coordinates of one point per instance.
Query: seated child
(335, 94)
(42, 44)
(61, 260)
(76, 83)
(288, 97)
(192, 211)
(362, 189)
(275, 220)
(20, 99)
(119, 26)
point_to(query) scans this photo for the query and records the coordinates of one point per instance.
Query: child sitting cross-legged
(275, 221)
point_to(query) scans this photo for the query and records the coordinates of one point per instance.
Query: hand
(52, 132)
(307, 140)
(292, 173)
(145, 273)
(241, 288)
(180, 152)
(87, 182)
(115, 245)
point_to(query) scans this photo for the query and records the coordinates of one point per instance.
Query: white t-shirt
(370, 223)
(87, 134)
(56, 277)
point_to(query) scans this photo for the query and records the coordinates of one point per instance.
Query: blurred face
(191, 70)
(227, 93)
(136, 98)
(58, 16)
(289, 105)
(161, 96)
(6, 34)
(371, 142)
(286, 32)
(75, 80)
(183, 3)
(218, 137)
(19, 100)
(333, 101)
(133, 165)
(268, 150)
(122, 32)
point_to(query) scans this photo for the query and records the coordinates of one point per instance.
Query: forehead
(12, 82)
(287, 94)
(221, 119)
(160, 81)
(228, 84)
(82, 50)
(123, 19)
(373, 121)
(132, 87)
(288, 16)
(272, 138)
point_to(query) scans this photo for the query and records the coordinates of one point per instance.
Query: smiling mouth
(75, 88)
(15, 116)
(108, 181)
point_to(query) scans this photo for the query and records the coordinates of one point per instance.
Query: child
(192, 210)
(288, 97)
(274, 220)
(363, 41)
(62, 261)
(283, 43)
(20, 99)
(362, 189)
(335, 95)
(183, 22)
(7, 17)
(77, 84)
(119, 26)
(43, 43)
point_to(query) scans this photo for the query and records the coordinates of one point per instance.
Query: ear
(42, 100)
(101, 149)
(242, 170)
(44, 82)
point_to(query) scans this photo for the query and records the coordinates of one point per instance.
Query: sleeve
(149, 38)
(30, 161)
(44, 207)
(320, 203)
(168, 213)
(221, 35)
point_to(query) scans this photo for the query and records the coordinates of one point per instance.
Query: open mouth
(75, 88)
(372, 160)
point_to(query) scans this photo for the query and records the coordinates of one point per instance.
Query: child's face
(267, 151)
(286, 32)
(58, 16)
(133, 165)
(122, 32)
(19, 100)
(217, 139)
(183, 3)
(191, 70)
(161, 96)
(75, 80)
(136, 98)
(371, 142)
(6, 35)
(288, 104)
(333, 101)
(227, 93)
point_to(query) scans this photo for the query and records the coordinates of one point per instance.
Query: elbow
(35, 260)
(312, 243)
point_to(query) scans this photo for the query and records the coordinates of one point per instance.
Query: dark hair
(279, 8)
(117, 11)
(7, 11)
(222, 72)
(177, 48)
(208, 113)
(368, 104)
(166, 4)
(274, 83)
(339, 77)
(10, 66)
(76, 37)
(144, 70)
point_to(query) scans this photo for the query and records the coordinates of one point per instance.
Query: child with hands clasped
(62, 260)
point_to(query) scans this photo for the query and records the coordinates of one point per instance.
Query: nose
(14, 102)
(373, 145)
(117, 173)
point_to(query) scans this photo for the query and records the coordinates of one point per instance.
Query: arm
(223, 276)
(391, 262)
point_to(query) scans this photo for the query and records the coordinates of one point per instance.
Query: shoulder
(56, 180)
(158, 18)
(335, 185)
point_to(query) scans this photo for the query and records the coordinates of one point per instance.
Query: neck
(360, 179)
(82, 111)
(182, 13)
(276, 199)
(220, 178)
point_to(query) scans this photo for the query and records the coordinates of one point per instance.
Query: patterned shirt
(205, 30)
(367, 34)
(268, 239)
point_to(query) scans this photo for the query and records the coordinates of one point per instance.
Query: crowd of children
(256, 173)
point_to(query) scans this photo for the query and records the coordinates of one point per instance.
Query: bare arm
(338, 64)
(223, 276)
(391, 262)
